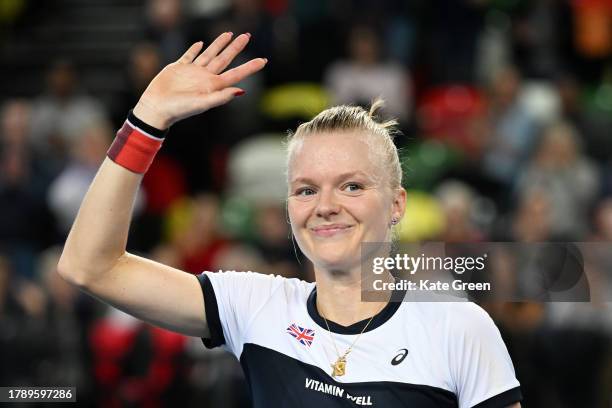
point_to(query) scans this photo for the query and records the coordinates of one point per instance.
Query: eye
(353, 187)
(304, 192)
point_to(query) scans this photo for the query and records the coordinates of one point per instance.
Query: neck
(339, 298)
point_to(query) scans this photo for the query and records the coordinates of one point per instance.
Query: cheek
(297, 212)
(298, 217)
(373, 215)
(371, 210)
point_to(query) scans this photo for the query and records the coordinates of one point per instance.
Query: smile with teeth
(330, 229)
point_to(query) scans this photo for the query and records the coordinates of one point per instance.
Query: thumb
(223, 96)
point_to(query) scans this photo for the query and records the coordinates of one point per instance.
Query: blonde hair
(379, 135)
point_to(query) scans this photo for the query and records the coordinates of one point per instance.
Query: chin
(332, 253)
(337, 260)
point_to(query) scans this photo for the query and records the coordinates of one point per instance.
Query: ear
(287, 218)
(398, 206)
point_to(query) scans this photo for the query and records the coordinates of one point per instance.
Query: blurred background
(506, 113)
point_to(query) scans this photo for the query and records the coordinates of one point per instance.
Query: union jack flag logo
(304, 336)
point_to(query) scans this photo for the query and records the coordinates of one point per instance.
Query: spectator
(59, 114)
(21, 327)
(16, 147)
(451, 42)
(144, 64)
(365, 76)
(513, 128)
(593, 124)
(69, 188)
(136, 364)
(538, 42)
(25, 222)
(457, 201)
(195, 239)
(567, 177)
(603, 220)
(599, 254)
(532, 219)
(67, 314)
(165, 28)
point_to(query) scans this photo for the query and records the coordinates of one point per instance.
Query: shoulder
(456, 318)
(256, 281)
(468, 316)
(472, 323)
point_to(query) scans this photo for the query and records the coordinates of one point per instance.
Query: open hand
(196, 82)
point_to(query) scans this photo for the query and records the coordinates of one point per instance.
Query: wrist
(136, 144)
(135, 121)
(152, 117)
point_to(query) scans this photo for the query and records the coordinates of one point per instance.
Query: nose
(327, 204)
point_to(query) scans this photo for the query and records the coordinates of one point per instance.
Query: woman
(299, 343)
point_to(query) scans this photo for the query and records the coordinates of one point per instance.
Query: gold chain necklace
(339, 367)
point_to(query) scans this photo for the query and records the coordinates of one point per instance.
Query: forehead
(329, 154)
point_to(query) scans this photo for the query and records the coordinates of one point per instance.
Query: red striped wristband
(136, 144)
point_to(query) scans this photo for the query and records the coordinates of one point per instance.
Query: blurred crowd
(505, 108)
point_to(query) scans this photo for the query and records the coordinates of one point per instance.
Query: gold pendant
(339, 367)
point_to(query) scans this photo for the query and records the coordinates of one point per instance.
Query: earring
(394, 221)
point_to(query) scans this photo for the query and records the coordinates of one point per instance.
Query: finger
(214, 49)
(221, 61)
(237, 74)
(221, 97)
(191, 53)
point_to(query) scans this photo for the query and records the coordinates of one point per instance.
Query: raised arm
(94, 256)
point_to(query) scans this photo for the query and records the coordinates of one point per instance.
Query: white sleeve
(480, 364)
(232, 300)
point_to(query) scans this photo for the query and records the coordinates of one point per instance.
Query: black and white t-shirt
(416, 355)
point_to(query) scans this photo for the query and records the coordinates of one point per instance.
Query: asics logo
(400, 357)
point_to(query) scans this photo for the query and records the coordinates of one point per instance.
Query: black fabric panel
(502, 400)
(279, 381)
(212, 314)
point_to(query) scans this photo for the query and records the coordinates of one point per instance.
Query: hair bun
(376, 105)
(373, 114)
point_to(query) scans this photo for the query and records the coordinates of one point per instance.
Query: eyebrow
(342, 176)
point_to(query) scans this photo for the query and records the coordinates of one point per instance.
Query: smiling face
(339, 198)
